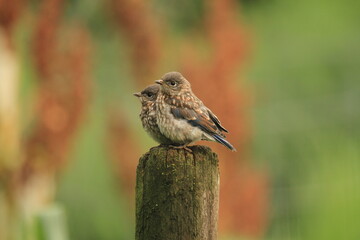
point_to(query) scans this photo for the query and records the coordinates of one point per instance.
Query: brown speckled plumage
(148, 113)
(182, 117)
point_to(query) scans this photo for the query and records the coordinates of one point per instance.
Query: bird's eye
(149, 95)
(172, 83)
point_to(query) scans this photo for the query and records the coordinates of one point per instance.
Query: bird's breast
(178, 130)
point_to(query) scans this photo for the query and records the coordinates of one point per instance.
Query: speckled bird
(182, 117)
(148, 113)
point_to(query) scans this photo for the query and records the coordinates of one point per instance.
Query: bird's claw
(181, 147)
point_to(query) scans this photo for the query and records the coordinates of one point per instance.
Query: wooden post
(177, 194)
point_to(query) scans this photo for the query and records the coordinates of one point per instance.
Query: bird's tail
(221, 140)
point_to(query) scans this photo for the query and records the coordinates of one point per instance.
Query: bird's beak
(159, 82)
(138, 94)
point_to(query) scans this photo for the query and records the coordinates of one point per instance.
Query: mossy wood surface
(177, 194)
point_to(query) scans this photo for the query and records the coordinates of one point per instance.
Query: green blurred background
(298, 79)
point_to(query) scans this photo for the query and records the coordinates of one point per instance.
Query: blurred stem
(34, 200)
(51, 223)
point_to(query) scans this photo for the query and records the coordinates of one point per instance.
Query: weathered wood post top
(177, 194)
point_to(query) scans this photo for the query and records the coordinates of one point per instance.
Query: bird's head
(173, 83)
(149, 94)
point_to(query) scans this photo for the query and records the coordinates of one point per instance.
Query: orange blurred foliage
(9, 13)
(63, 68)
(62, 65)
(142, 35)
(45, 36)
(121, 139)
(141, 32)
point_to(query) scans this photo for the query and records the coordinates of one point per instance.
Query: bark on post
(177, 194)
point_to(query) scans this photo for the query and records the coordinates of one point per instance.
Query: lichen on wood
(177, 194)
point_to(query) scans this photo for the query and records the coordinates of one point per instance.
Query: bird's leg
(181, 147)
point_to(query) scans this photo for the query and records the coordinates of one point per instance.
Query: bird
(182, 117)
(148, 113)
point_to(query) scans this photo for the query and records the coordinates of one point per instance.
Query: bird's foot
(181, 147)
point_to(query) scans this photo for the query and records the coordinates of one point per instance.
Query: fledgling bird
(182, 117)
(148, 113)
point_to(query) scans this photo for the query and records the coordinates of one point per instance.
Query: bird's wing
(198, 118)
(216, 120)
